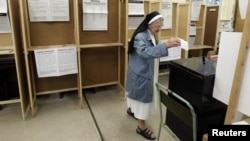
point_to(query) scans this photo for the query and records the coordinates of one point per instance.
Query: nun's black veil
(143, 26)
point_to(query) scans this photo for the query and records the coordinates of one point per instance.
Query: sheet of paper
(243, 8)
(135, 7)
(59, 10)
(192, 30)
(67, 60)
(46, 62)
(195, 10)
(3, 6)
(134, 21)
(4, 23)
(95, 15)
(167, 14)
(47, 10)
(184, 44)
(175, 52)
(135, 13)
(95, 21)
(56, 62)
(192, 34)
(4, 18)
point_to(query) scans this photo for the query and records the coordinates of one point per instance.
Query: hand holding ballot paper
(175, 53)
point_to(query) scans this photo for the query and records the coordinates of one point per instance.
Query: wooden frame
(180, 25)
(239, 70)
(206, 31)
(102, 54)
(149, 6)
(180, 22)
(45, 35)
(11, 44)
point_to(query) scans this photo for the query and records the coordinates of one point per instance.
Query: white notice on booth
(48, 10)
(4, 19)
(46, 62)
(56, 62)
(135, 13)
(3, 6)
(167, 14)
(67, 61)
(95, 15)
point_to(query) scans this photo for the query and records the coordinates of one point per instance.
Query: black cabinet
(8, 78)
(193, 79)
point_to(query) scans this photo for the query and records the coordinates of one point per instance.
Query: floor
(61, 119)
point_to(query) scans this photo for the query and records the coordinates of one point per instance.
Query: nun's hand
(173, 42)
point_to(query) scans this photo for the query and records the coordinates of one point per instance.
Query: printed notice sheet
(56, 61)
(243, 8)
(192, 34)
(48, 10)
(195, 10)
(95, 14)
(167, 14)
(135, 13)
(4, 18)
(3, 6)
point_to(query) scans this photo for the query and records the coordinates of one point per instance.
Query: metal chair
(185, 111)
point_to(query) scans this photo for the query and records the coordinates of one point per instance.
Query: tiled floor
(62, 119)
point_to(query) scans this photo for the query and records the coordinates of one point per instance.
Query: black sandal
(130, 113)
(146, 133)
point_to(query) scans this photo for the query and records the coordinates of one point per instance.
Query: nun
(142, 51)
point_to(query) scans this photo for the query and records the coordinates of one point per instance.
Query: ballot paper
(175, 52)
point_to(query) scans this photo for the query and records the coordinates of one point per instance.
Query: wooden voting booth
(206, 31)
(206, 27)
(180, 22)
(100, 54)
(149, 6)
(11, 47)
(179, 28)
(240, 76)
(45, 35)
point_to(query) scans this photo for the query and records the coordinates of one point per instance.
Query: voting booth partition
(176, 24)
(237, 77)
(73, 50)
(39, 33)
(102, 52)
(238, 95)
(206, 31)
(142, 9)
(13, 86)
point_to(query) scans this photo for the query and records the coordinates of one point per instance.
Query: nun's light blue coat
(140, 75)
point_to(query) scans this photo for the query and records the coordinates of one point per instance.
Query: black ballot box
(193, 79)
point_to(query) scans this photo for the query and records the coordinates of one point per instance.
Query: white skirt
(141, 110)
